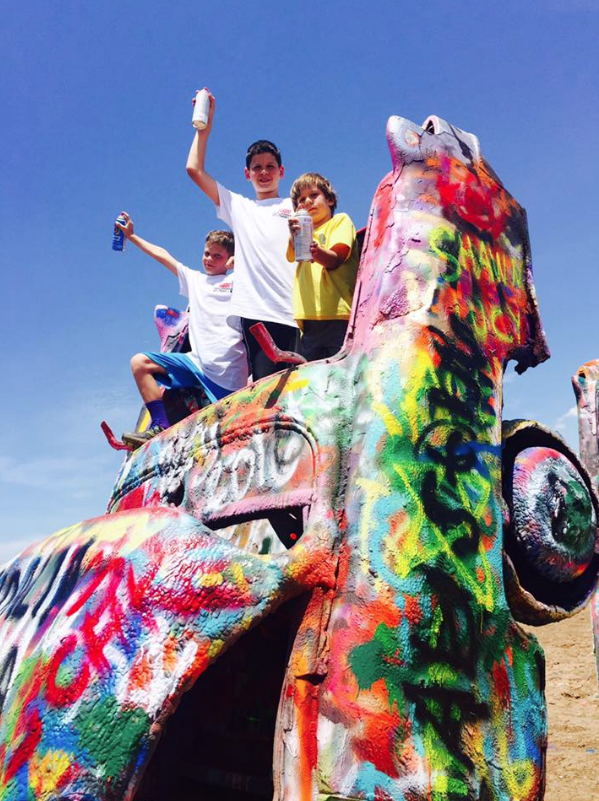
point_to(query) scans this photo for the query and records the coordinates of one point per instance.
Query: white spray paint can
(303, 239)
(201, 109)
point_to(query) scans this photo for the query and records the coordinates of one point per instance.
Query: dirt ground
(573, 706)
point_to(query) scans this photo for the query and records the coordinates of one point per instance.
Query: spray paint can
(303, 239)
(118, 236)
(201, 108)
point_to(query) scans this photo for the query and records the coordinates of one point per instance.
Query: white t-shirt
(263, 276)
(216, 342)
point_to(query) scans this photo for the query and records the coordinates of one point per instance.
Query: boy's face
(265, 174)
(315, 202)
(216, 260)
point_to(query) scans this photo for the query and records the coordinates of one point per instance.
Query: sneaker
(138, 438)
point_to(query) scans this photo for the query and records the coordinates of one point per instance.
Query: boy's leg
(322, 339)
(174, 370)
(144, 370)
(285, 338)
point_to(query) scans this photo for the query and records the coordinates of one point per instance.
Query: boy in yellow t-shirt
(324, 287)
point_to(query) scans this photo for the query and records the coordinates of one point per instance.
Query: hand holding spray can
(201, 109)
(118, 236)
(303, 238)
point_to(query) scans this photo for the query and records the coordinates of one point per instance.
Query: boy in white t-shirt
(217, 361)
(263, 290)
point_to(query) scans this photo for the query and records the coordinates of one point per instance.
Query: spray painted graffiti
(586, 386)
(412, 534)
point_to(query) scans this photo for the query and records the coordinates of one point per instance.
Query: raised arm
(197, 157)
(156, 252)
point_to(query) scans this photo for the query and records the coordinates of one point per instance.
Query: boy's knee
(139, 362)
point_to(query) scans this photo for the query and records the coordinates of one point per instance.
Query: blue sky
(96, 109)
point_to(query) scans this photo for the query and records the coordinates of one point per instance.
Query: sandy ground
(573, 706)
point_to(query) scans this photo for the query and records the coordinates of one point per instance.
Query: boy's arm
(197, 157)
(330, 258)
(339, 251)
(155, 251)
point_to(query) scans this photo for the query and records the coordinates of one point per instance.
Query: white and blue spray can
(118, 236)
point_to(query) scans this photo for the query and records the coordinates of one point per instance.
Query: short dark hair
(262, 146)
(223, 238)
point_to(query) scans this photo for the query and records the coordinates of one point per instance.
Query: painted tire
(550, 531)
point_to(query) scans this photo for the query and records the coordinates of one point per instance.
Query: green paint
(18, 691)
(378, 659)
(436, 622)
(111, 736)
(446, 245)
(572, 523)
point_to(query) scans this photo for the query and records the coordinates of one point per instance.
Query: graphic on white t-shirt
(215, 337)
(263, 288)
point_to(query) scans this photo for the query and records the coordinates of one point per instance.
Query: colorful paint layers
(369, 504)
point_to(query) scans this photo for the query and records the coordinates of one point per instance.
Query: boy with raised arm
(263, 289)
(217, 360)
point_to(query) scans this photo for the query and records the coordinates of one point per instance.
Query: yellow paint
(424, 376)
(45, 772)
(237, 574)
(296, 382)
(130, 531)
(520, 778)
(215, 648)
(496, 313)
(391, 422)
(210, 579)
(412, 553)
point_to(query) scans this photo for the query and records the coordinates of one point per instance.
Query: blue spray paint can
(118, 237)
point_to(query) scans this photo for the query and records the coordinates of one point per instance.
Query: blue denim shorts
(183, 373)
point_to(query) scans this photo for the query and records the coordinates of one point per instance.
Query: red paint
(379, 222)
(30, 726)
(64, 695)
(412, 610)
(382, 795)
(306, 704)
(138, 589)
(132, 500)
(483, 206)
(378, 729)
(501, 680)
(97, 570)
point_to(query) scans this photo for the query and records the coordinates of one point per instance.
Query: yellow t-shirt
(321, 294)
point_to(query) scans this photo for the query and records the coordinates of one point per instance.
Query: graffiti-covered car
(311, 590)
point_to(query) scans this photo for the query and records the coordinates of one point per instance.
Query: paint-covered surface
(586, 388)
(104, 624)
(550, 542)
(369, 488)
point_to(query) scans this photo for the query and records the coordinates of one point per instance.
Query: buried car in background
(586, 388)
(312, 589)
